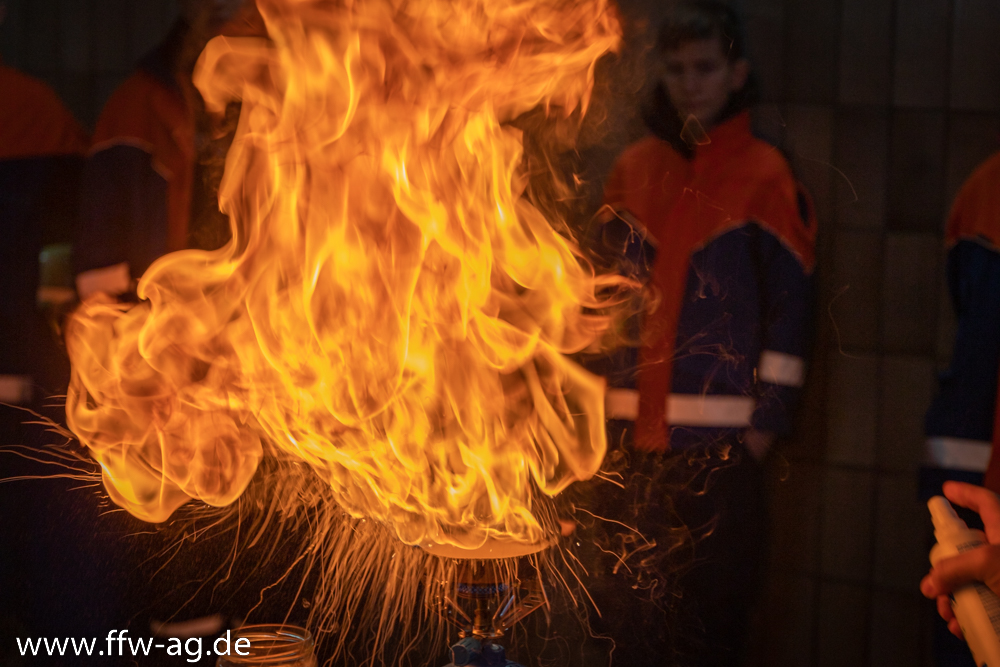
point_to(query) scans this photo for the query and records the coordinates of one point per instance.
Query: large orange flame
(392, 311)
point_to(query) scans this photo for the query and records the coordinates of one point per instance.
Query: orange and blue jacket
(733, 237)
(41, 152)
(141, 183)
(966, 407)
(137, 183)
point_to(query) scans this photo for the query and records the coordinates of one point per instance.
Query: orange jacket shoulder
(138, 111)
(145, 113)
(976, 211)
(777, 200)
(33, 120)
(645, 178)
(769, 162)
(634, 167)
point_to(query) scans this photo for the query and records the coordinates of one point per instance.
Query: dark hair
(703, 19)
(695, 20)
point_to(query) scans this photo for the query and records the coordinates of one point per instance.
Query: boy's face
(700, 79)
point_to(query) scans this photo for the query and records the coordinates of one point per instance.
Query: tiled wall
(82, 48)
(886, 106)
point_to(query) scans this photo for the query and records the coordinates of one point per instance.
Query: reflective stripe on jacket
(966, 409)
(734, 237)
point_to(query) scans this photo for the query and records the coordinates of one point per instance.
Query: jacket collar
(725, 137)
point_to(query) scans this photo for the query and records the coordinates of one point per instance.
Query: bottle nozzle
(943, 515)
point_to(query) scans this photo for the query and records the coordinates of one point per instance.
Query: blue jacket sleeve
(123, 211)
(966, 402)
(786, 306)
(618, 244)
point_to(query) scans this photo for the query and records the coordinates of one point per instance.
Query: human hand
(979, 564)
(758, 443)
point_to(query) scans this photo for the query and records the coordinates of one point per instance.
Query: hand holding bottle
(981, 564)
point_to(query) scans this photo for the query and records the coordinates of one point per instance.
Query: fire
(393, 311)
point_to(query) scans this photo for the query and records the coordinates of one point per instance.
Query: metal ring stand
(483, 605)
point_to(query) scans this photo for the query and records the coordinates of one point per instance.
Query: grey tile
(75, 33)
(896, 622)
(975, 61)
(921, 68)
(13, 37)
(765, 27)
(810, 132)
(806, 444)
(852, 409)
(861, 155)
(150, 21)
(112, 36)
(843, 624)
(41, 25)
(916, 171)
(796, 500)
(865, 53)
(809, 142)
(902, 534)
(846, 526)
(812, 28)
(790, 613)
(910, 293)
(972, 137)
(169, 11)
(851, 296)
(769, 123)
(908, 384)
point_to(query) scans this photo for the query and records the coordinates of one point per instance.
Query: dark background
(885, 107)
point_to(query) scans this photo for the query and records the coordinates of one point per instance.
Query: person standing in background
(42, 149)
(147, 189)
(41, 154)
(961, 422)
(721, 354)
(961, 425)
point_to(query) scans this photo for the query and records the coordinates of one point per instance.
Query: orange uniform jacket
(33, 121)
(731, 215)
(41, 150)
(973, 237)
(138, 181)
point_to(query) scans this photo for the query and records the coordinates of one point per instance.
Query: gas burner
(485, 599)
(475, 652)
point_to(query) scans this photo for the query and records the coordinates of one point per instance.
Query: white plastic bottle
(976, 607)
